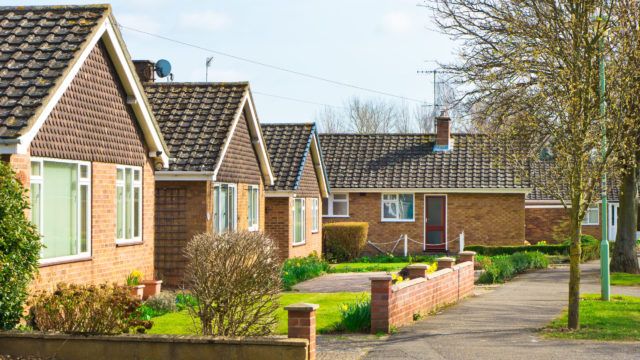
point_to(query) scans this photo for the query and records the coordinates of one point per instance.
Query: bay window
(397, 207)
(253, 207)
(336, 205)
(224, 208)
(61, 207)
(128, 204)
(299, 217)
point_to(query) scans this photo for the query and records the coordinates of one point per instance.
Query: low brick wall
(396, 305)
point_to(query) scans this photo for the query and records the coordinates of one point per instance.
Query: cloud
(205, 20)
(139, 21)
(397, 22)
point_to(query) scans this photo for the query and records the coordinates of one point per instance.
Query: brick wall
(552, 225)
(279, 226)
(396, 305)
(486, 219)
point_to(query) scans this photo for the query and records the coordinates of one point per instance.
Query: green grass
(327, 317)
(623, 279)
(366, 267)
(618, 319)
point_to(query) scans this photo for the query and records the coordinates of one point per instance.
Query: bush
(557, 249)
(235, 279)
(161, 303)
(344, 241)
(355, 316)
(498, 269)
(303, 268)
(389, 259)
(185, 301)
(590, 247)
(19, 248)
(87, 309)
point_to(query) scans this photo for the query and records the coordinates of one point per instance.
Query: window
(224, 208)
(61, 208)
(397, 207)
(315, 215)
(128, 204)
(299, 217)
(591, 217)
(254, 207)
(337, 205)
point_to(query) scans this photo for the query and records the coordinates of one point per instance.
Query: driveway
(503, 324)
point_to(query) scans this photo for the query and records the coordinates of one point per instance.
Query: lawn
(623, 279)
(366, 267)
(327, 317)
(618, 319)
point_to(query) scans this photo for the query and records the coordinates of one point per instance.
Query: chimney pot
(146, 70)
(443, 132)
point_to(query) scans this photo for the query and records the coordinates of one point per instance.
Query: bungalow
(293, 205)
(431, 187)
(76, 126)
(219, 169)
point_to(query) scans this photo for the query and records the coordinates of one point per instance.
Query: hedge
(344, 241)
(590, 249)
(499, 268)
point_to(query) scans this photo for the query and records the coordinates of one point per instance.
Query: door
(613, 221)
(435, 223)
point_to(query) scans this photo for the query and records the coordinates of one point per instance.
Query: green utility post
(604, 244)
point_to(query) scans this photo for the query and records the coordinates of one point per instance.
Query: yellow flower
(399, 279)
(344, 307)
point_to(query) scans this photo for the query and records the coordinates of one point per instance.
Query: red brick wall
(486, 219)
(394, 306)
(552, 225)
(279, 226)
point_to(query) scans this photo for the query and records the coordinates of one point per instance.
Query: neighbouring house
(294, 202)
(219, 166)
(77, 128)
(432, 187)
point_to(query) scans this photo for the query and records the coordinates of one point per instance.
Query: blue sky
(377, 44)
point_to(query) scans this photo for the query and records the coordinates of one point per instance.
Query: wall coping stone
(302, 307)
(381, 277)
(404, 284)
(467, 252)
(418, 266)
(438, 273)
(446, 258)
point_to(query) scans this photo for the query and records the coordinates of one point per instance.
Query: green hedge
(558, 249)
(499, 268)
(344, 241)
(299, 269)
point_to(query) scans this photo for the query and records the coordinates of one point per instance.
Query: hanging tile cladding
(92, 120)
(309, 181)
(287, 145)
(37, 46)
(240, 163)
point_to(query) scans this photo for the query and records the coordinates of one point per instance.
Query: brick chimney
(443, 132)
(146, 70)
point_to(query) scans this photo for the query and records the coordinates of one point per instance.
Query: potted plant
(133, 282)
(151, 288)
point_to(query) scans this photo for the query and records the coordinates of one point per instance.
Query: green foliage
(557, 249)
(624, 279)
(590, 247)
(87, 309)
(355, 316)
(498, 269)
(160, 304)
(395, 259)
(344, 241)
(299, 269)
(19, 248)
(185, 300)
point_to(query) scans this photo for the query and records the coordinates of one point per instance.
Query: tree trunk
(574, 270)
(625, 258)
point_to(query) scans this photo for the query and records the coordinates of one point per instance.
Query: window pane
(120, 174)
(84, 172)
(435, 237)
(136, 175)
(434, 210)
(35, 168)
(314, 214)
(84, 220)
(406, 206)
(120, 212)
(128, 201)
(224, 208)
(325, 206)
(36, 203)
(232, 209)
(60, 208)
(216, 208)
(340, 196)
(390, 210)
(340, 208)
(136, 211)
(298, 224)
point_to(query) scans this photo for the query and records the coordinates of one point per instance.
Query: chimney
(146, 70)
(443, 132)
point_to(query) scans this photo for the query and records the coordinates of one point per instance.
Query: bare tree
(533, 65)
(424, 119)
(370, 116)
(329, 120)
(404, 122)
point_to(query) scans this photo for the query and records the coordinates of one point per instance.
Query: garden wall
(397, 305)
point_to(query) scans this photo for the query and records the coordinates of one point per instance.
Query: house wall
(486, 219)
(552, 225)
(279, 226)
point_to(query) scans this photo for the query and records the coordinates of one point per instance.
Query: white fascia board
(184, 176)
(319, 166)
(432, 191)
(279, 194)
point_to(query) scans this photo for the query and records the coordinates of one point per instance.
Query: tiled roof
(539, 173)
(288, 146)
(408, 161)
(37, 47)
(195, 119)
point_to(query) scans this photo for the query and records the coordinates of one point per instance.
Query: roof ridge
(397, 134)
(286, 124)
(54, 7)
(199, 83)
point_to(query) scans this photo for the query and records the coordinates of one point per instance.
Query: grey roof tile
(288, 145)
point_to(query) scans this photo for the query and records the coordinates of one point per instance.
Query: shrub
(590, 247)
(87, 309)
(344, 241)
(185, 301)
(303, 268)
(388, 259)
(235, 279)
(557, 249)
(498, 269)
(356, 316)
(19, 248)
(161, 303)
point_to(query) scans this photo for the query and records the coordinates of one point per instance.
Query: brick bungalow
(430, 187)
(77, 128)
(219, 165)
(293, 205)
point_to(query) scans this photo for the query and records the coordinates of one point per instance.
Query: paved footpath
(503, 324)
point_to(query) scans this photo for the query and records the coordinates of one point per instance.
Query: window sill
(397, 221)
(315, 231)
(335, 216)
(300, 244)
(129, 243)
(253, 229)
(590, 224)
(54, 262)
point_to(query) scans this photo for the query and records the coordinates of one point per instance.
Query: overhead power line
(296, 100)
(275, 67)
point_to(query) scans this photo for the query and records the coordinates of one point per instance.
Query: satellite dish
(163, 68)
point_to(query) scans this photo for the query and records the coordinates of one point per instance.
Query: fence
(405, 240)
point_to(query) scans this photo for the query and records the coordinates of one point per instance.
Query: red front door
(435, 223)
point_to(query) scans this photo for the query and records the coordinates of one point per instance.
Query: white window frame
(304, 222)
(315, 215)
(256, 208)
(397, 202)
(81, 181)
(134, 184)
(587, 219)
(232, 217)
(331, 200)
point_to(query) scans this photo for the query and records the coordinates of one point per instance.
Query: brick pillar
(302, 324)
(446, 263)
(380, 304)
(417, 270)
(466, 256)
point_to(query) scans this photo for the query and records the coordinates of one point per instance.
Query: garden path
(342, 282)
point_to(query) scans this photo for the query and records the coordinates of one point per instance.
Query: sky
(373, 44)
